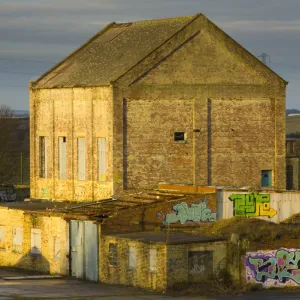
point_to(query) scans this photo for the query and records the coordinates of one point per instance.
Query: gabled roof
(110, 53)
(118, 48)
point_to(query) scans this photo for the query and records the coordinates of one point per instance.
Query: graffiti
(273, 268)
(252, 205)
(8, 195)
(174, 264)
(45, 193)
(13, 194)
(195, 213)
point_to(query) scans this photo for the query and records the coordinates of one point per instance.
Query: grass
(255, 230)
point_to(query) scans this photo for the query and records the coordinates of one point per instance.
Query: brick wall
(21, 257)
(139, 277)
(71, 113)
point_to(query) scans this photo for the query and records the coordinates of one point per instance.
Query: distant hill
(292, 111)
(21, 112)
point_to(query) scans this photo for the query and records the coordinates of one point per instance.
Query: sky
(36, 34)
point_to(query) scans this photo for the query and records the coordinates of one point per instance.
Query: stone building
(293, 152)
(172, 100)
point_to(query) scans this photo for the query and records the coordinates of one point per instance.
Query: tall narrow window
(102, 159)
(131, 258)
(62, 152)
(112, 255)
(35, 241)
(152, 260)
(56, 248)
(81, 158)
(43, 156)
(2, 237)
(18, 239)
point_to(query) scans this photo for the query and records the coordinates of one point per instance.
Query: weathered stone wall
(177, 214)
(73, 113)
(139, 277)
(178, 261)
(152, 154)
(242, 141)
(200, 80)
(21, 257)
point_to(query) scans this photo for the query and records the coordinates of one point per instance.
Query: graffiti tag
(8, 195)
(45, 193)
(252, 205)
(13, 194)
(273, 267)
(195, 213)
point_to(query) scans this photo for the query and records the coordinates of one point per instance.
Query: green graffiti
(195, 213)
(284, 265)
(252, 205)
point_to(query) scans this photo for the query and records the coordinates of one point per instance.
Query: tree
(9, 161)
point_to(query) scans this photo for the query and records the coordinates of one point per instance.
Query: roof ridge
(161, 20)
(104, 29)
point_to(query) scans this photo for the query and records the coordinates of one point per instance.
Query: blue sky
(34, 35)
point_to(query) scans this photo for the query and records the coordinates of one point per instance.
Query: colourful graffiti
(273, 268)
(252, 205)
(195, 213)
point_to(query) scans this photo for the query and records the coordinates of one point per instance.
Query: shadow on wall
(11, 193)
(34, 262)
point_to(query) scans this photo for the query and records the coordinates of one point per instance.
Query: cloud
(262, 25)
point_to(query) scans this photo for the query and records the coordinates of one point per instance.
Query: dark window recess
(42, 157)
(289, 177)
(179, 136)
(113, 255)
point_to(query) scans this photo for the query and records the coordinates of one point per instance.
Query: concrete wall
(73, 113)
(20, 256)
(141, 276)
(281, 205)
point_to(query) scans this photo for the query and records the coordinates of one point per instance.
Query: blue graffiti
(195, 213)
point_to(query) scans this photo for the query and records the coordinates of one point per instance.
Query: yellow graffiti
(252, 205)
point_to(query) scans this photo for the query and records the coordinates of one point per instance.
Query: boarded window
(132, 258)
(81, 158)
(152, 260)
(62, 153)
(43, 156)
(113, 255)
(18, 239)
(102, 159)
(2, 237)
(200, 265)
(56, 248)
(35, 241)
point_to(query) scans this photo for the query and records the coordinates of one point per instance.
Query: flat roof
(170, 238)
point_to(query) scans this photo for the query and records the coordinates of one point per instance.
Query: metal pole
(21, 166)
